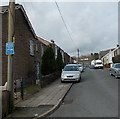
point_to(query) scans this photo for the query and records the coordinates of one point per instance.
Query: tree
(48, 61)
(59, 61)
(96, 56)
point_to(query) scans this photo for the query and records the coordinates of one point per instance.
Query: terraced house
(27, 51)
(29, 48)
(113, 56)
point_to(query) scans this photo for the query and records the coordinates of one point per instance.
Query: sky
(92, 26)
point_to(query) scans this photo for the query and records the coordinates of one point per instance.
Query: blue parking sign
(9, 48)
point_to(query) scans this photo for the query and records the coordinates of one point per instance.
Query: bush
(48, 61)
(59, 61)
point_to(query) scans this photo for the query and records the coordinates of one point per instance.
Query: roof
(43, 41)
(98, 60)
(72, 65)
(111, 50)
(4, 9)
(103, 53)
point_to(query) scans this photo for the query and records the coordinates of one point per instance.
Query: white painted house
(108, 58)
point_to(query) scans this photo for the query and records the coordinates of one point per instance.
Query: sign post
(10, 52)
(9, 48)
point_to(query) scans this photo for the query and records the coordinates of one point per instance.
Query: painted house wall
(108, 58)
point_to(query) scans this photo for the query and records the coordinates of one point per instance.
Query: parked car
(71, 72)
(81, 67)
(115, 70)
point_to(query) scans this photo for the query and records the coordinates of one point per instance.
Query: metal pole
(10, 82)
(78, 55)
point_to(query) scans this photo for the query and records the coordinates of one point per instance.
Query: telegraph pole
(11, 35)
(78, 55)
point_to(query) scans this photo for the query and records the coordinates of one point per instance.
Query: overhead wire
(65, 24)
(62, 20)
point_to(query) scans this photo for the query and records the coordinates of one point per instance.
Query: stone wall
(45, 80)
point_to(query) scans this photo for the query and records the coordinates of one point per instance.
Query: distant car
(81, 67)
(115, 70)
(71, 73)
(98, 64)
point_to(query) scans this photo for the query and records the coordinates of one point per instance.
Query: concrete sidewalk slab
(44, 102)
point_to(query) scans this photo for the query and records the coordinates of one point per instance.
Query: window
(117, 65)
(42, 50)
(63, 56)
(36, 47)
(32, 47)
(38, 71)
(56, 51)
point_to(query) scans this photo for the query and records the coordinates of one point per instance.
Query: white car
(71, 72)
(81, 67)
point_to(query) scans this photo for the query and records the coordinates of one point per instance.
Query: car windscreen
(71, 68)
(117, 66)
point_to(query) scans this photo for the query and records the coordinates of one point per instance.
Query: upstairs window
(36, 47)
(43, 48)
(32, 51)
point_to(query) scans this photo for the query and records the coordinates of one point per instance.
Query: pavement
(42, 103)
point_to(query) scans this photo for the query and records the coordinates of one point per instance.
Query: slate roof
(4, 9)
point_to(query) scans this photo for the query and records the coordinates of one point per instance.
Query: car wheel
(78, 80)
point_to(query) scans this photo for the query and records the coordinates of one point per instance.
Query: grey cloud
(93, 26)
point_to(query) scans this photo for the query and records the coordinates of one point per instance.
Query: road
(95, 96)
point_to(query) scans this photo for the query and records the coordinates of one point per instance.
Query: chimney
(52, 41)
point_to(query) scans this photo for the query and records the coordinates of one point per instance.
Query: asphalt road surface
(95, 96)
